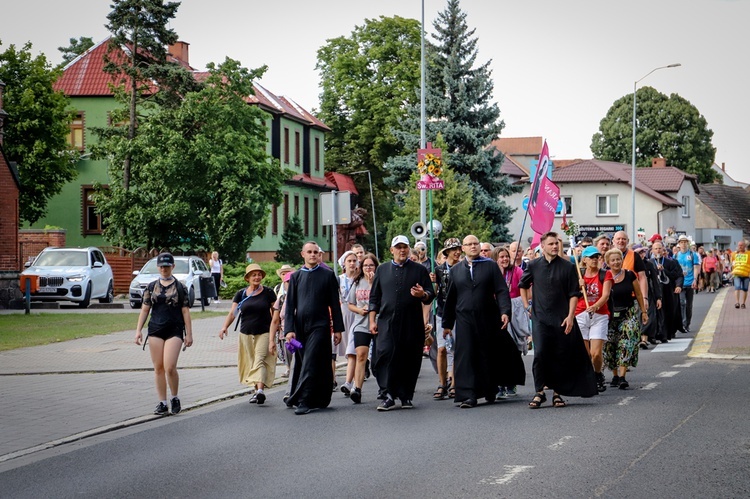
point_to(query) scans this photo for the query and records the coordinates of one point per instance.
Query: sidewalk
(725, 334)
(59, 393)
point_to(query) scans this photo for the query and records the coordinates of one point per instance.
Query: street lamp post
(633, 230)
(372, 206)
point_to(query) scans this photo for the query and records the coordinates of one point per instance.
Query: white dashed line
(510, 474)
(559, 443)
(626, 401)
(650, 386)
(686, 364)
(667, 374)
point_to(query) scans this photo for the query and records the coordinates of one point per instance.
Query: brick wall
(32, 241)
(9, 256)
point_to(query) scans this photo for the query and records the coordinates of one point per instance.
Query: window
(317, 154)
(91, 220)
(606, 205)
(286, 209)
(296, 205)
(274, 220)
(75, 136)
(296, 148)
(286, 145)
(306, 202)
(568, 203)
(315, 217)
(685, 206)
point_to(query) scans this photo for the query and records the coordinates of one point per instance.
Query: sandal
(742, 306)
(439, 393)
(736, 305)
(557, 401)
(538, 400)
(452, 392)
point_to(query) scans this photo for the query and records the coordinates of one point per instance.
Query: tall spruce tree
(292, 239)
(458, 106)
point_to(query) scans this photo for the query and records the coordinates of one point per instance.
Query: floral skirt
(623, 337)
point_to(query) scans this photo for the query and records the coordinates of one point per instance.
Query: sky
(558, 66)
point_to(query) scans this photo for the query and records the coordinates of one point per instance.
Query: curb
(705, 337)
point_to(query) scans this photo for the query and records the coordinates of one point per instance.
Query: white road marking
(626, 401)
(597, 418)
(675, 345)
(650, 386)
(667, 374)
(686, 364)
(510, 473)
(559, 443)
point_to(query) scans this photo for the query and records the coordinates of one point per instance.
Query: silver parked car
(187, 269)
(72, 274)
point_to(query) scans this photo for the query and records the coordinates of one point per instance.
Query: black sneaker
(302, 409)
(253, 398)
(407, 404)
(615, 382)
(260, 397)
(161, 409)
(387, 404)
(624, 384)
(346, 389)
(601, 383)
(176, 407)
(356, 395)
(286, 398)
(468, 404)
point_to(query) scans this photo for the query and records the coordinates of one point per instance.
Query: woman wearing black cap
(168, 329)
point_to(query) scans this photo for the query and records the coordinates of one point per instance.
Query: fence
(123, 263)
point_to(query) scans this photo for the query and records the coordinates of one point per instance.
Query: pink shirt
(512, 278)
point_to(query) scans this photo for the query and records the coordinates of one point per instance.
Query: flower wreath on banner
(570, 228)
(431, 165)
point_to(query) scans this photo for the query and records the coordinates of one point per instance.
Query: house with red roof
(597, 195)
(295, 138)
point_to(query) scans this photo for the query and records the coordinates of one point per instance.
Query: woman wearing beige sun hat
(257, 353)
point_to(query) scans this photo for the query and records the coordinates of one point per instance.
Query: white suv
(72, 274)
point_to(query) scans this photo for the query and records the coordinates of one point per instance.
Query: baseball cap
(165, 260)
(401, 239)
(590, 251)
(639, 247)
(420, 244)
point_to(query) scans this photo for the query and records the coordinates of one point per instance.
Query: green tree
(201, 178)
(36, 129)
(368, 80)
(76, 48)
(458, 106)
(669, 127)
(140, 30)
(452, 206)
(290, 246)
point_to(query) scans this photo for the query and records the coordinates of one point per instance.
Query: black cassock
(397, 357)
(486, 356)
(670, 314)
(561, 361)
(312, 301)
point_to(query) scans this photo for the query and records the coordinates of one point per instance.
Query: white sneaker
(217, 301)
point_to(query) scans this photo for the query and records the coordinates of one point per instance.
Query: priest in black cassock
(312, 301)
(485, 354)
(561, 361)
(396, 297)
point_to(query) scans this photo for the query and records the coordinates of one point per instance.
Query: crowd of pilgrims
(585, 315)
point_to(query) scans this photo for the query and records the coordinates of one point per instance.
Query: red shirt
(594, 289)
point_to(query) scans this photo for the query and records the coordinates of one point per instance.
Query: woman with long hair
(358, 299)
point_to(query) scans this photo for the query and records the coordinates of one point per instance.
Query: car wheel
(135, 304)
(191, 297)
(86, 298)
(110, 296)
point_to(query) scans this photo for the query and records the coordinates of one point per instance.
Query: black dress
(486, 355)
(397, 356)
(561, 361)
(312, 302)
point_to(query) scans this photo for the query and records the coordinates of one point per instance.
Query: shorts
(362, 339)
(439, 332)
(593, 327)
(169, 332)
(741, 283)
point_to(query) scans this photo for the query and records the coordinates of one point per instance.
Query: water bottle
(449, 343)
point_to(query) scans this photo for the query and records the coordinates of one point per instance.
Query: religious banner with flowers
(430, 166)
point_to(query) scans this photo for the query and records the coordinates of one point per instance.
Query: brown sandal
(557, 401)
(440, 393)
(538, 400)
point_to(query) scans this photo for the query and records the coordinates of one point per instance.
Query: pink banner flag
(544, 196)
(536, 241)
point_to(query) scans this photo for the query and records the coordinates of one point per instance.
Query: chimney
(658, 163)
(723, 165)
(3, 114)
(180, 51)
